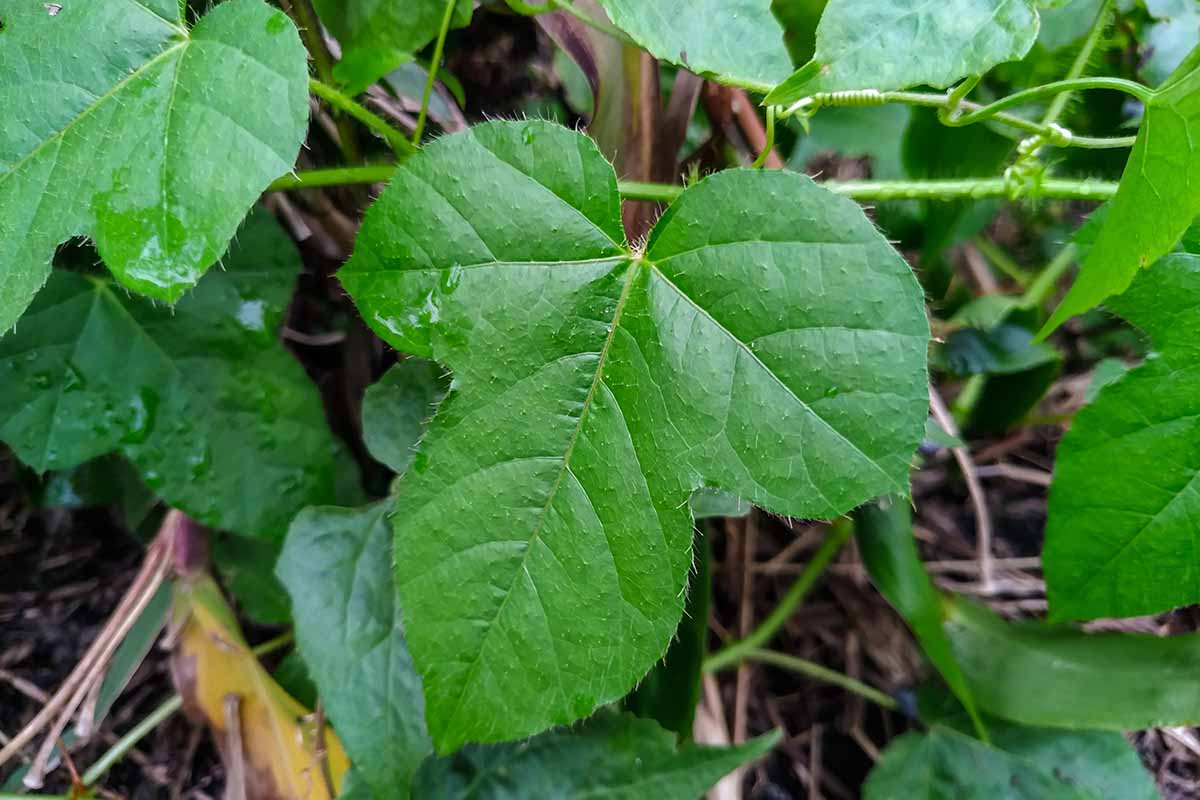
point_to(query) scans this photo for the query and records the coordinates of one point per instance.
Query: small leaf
(217, 416)
(396, 408)
(337, 566)
(1020, 764)
(610, 757)
(883, 530)
(1058, 676)
(1156, 200)
(1004, 350)
(544, 527)
(378, 35)
(1120, 533)
(736, 42)
(212, 665)
(866, 44)
(152, 140)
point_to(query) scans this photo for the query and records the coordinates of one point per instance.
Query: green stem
(970, 188)
(770, 144)
(818, 672)
(1056, 88)
(271, 645)
(310, 30)
(341, 102)
(732, 653)
(339, 176)
(1001, 261)
(1044, 283)
(1059, 104)
(438, 48)
(130, 740)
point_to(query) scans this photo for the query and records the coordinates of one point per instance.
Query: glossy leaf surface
(1156, 201)
(151, 139)
(1120, 536)
(610, 757)
(775, 351)
(337, 565)
(396, 408)
(218, 417)
(1058, 676)
(866, 44)
(378, 35)
(737, 42)
(1020, 764)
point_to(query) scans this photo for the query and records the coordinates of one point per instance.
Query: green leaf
(1156, 201)
(247, 570)
(866, 44)
(1057, 676)
(378, 35)
(1020, 764)
(611, 757)
(396, 408)
(219, 419)
(1004, 350)
(736, 42)
(152, 140)
(545, 532)
(337, 565)
(883, 530)
(1122, 514)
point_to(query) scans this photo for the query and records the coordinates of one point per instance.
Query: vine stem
(732, 653)
(818, 672)
(130, 740)
(1050, 188)
(980, 113)
(310, 31)
(438, 48)
(341, 102)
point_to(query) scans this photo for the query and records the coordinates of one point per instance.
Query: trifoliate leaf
(611, 757)
(1019, 764)
(866, 44)
(396, 407)
(337, 565)
(736, 42)
(378, 35)
(218, 417)
(774, 350)
(1156, 201)
(153, 140)
(1120, 537)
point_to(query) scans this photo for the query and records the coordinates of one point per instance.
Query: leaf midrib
(626, 289)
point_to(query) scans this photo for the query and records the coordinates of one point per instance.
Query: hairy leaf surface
(378, 35)
(866, 44)
(336, 564)
(1121, 531)
(738, 42)
(610, 757)
(1156, 201)
(218, 417)
(1019, 764)
(1058, 676)
(775, 351)
(153, 140)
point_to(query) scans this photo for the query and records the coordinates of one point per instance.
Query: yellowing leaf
(267, 740)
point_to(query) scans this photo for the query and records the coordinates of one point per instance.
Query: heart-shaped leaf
(736, 42)
(1120, 536)
(774, 350)
(1156, 200)
(866, 44)
(218, 417)
(151, 139)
